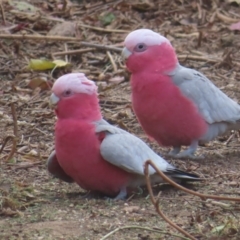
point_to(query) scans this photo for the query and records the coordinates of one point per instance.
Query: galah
(175, 105)
(91, 152)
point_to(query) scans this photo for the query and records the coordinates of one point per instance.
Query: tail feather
(181, 175)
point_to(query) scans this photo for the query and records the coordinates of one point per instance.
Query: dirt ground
(33, 204)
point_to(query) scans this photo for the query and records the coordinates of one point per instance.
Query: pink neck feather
(80, 106)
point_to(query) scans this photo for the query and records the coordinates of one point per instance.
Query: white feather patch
(77, 82)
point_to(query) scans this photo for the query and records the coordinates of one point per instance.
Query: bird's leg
(189, 152)
(122, 194)
(174, 151)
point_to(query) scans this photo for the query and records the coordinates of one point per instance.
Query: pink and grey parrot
(175, 105)
(93, 153)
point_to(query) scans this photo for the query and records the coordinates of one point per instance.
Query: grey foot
(188, 153)
(122, 195)
(174, 152)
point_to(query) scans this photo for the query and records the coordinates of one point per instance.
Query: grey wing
(128, 152)
(213, 104)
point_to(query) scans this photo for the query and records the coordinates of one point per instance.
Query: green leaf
(60, 63)
(218, 229)
(40, 64)
(107, 18)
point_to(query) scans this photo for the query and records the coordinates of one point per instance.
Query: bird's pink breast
(164, 113)
(77, 149)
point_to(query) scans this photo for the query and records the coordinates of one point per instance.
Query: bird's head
(75, 96)
(146, 49)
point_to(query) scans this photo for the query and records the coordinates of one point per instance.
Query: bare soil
(33, 204)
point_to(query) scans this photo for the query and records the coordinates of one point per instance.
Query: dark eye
(140, 47)
(67, 93)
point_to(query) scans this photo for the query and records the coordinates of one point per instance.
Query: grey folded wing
(213, 104)
(128, 152)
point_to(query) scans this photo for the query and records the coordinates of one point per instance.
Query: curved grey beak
(126, 53)
(54, 99)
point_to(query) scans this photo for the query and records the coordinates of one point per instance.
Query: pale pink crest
(145, 36)
(75, 82)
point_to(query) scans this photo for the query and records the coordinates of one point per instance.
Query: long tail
(181, 175)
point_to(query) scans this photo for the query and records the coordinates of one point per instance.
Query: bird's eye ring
(67, 93)
(140, 47)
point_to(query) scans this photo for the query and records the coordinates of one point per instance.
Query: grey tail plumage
(181, 175)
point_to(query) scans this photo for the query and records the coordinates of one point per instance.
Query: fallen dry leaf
(40, 82)
(131, 209)
(67, 29)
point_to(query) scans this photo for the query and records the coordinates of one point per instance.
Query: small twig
(144, 228)
(26, 166)
(66, 49)
(14, 116)
(13, 149)
(224, 205)
(5, 142)
(112, 61)
(73, 52)
(58, 38)
(156, 203)
(225, 18)
(64, 7)
(199, 11)
(199, 39)
(99, 46)
(13, 138)
(184, 35)
(202, 196)
(37, 37)
(229, 139)
(197, 58)
(103, 29)
(202, 58)
(3, 13)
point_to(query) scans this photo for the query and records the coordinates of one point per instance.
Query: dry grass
(33, 205)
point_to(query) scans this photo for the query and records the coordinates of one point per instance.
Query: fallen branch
(156, 202)
(58, 38)
(202, 196)
(139, 227)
